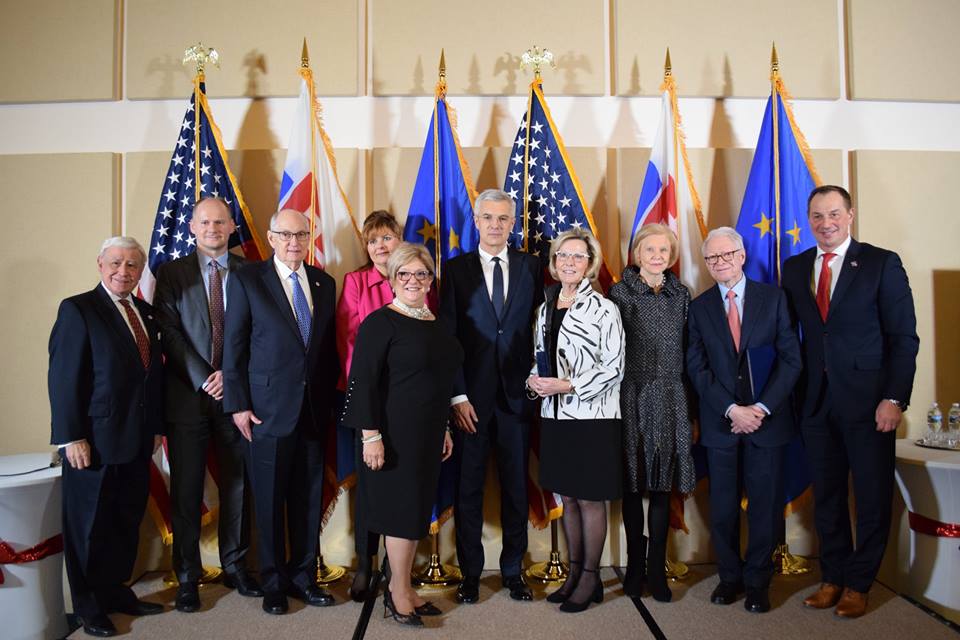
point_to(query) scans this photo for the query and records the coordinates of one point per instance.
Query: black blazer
(265, 366)
(183, 312)
(867, 348)
(493, 347)
(99, 390)
(721, 376)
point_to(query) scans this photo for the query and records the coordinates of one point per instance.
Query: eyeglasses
(421, 276)
(727, 257)
(576, 257)
(287, 236)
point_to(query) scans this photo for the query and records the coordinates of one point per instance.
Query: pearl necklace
(564, 298)
(420, 313)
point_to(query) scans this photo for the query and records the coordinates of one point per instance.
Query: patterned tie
(216, 316)
(497, 294)
(301, 309)
(139, 335)
(823, 286)
(733, 319)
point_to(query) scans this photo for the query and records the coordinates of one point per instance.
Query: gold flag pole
(436, 575)
(553, 570)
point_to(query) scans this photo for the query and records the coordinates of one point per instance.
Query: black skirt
(581, 458)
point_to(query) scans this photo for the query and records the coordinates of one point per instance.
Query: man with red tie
(855, 311)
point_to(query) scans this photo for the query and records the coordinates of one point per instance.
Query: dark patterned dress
(653, 396)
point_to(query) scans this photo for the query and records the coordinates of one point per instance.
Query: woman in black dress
(579, 351)
(656, 423)
(398, 397)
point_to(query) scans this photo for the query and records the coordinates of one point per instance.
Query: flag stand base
(210, 574)
(787, 564)
(436, 575)
(328, 574)
(676, 570)
(552, 570)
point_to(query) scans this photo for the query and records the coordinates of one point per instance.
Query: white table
(929, 481)
(31, 597)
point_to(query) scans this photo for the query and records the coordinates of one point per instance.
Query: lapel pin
(149, 317)
(316, 283)
(853, 263)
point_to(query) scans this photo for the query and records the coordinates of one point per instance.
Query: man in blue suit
(487, 299)
(106, 408)
(743, 359)
(855, 310)
(280, 368)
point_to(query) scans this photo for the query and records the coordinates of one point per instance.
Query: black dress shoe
(758, 601)
(244, 583)
(140, 608)
(469, 590)
(519, 590)
(313, 595)
(275, 603)
(99, 625)
(726, 592)
(188, 597)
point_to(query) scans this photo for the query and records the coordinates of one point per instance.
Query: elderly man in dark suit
(743, 359)
(280, 369)
(855, 310)
(488, 299)
(191, 307)
(106, 404)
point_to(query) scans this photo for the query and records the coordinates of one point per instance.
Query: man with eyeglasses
(743, 359)
(487, 299)
(280, 369)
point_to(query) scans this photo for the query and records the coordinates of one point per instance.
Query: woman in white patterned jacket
(579, 365)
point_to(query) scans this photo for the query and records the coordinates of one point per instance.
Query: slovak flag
(669, 197)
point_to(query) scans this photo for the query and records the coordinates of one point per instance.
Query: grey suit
(194, 418)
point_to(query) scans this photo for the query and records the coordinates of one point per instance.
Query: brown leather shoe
(853, 604)
(823, 598)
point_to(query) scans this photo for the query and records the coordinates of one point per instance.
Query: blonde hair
(655, 229)
(405, 253)
(593, 250)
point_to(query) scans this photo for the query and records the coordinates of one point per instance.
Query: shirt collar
(222, 260)
(738, 288)
(839, 251)
(284, 271)
(112, 295)
(374, 277)
(487, 257)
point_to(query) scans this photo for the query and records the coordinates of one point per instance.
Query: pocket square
(853, 263)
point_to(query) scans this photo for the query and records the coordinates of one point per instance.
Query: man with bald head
(280, 369)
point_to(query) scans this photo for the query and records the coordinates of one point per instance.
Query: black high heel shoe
(360, 588)
(428, 609)
(390, 611)
(569, 606)
(561, 594)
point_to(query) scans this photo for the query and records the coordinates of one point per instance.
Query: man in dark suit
(106, 407)
(488, 299)
(280, 369)
(859, 330)
(743, 359)
(191, 305)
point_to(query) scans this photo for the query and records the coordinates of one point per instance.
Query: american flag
(198, 168)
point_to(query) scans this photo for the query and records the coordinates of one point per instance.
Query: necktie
(216, 316)
(497, 295)
(823, 286)
(733, 319)
(301, 309)
(139, 335)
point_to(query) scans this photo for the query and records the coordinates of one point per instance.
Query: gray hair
(722, 232)
(273, 218)
(405, 253)
(123, 242)
(492, 195)
(593, 250)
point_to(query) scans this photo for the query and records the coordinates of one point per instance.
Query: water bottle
(934, 424)
(953, 425)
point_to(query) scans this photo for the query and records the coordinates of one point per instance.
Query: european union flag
(774, 229)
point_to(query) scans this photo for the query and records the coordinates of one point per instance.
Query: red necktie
(216, 316)
(143, 343)
(823, 286)
(733, 319)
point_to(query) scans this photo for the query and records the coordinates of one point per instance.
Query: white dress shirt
(487, 265)
(284, 272)
(836, 263)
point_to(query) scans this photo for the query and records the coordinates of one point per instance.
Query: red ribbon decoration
(48, 547)
(930, 527)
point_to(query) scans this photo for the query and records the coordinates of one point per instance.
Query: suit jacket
(721, 375)
(183, 313)
(867, 348)
(496, 349)
(265, 366)
(99, 390)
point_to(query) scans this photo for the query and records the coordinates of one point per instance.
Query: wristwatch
(897, 403)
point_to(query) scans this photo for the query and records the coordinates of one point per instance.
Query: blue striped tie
(301, 309)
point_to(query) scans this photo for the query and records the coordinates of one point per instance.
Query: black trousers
(508, 437)
(287, 478)
(188, 442)
(837, 449)
(759, 472)
(102, 510)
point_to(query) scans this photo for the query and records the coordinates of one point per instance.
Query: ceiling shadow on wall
(722, 137)
(571, 65)
(507, 65)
